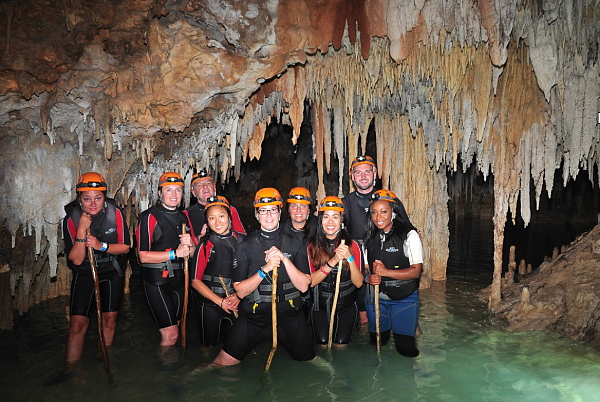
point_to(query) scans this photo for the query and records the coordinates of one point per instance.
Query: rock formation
(131, 88)
(561, 296)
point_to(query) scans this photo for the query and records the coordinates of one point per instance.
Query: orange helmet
(267, 196)
(332, 203)
(201, 175)
(385, 195)
(299, 195)
(362, 159)
(169, 178)
(217, 200)
(91, 181)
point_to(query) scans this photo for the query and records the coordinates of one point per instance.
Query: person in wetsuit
(211, 274)
(301, 222)
(325, 252)
(395, 255)
(255, 258)
(204, 186)
(109, 238)
(161, 250)
(363, 173)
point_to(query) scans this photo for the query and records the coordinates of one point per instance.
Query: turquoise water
(465, 356)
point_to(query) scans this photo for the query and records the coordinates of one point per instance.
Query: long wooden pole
(186, 280)
(338, 279)
(377, 317)
(274, 275)
(235, 313)
(101, 340)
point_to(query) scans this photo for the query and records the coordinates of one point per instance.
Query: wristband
(172, 255)
(104, 247)
(351, 258)
(366, 276)
(261, 273)
(329, 265)
(78, 240)
(322, 269)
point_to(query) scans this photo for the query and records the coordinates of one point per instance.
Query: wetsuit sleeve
(122, 229)
(69, 230)
(145, 231)
(202, 260)
(358, 257)
(241, 262)
(300, 259)
(236, 222)
(413, 248)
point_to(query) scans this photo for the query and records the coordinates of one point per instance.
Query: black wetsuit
(108, 226)
(255, 321)
(346, 309)
(158, 230)
(214, 259)
(305, 235)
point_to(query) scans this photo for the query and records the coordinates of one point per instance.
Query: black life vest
(197, 218)
(223, 247)
(357, 213)
(286, 292)
(166, 237)
(393, 257)
(104, 228)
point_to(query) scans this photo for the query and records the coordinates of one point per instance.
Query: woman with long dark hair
(332, 245)
(395, 255)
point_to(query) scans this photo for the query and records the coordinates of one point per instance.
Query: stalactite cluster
(509, 87)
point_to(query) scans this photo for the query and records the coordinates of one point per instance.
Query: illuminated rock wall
(131, 88)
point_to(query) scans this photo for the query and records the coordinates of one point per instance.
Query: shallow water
(465, 356)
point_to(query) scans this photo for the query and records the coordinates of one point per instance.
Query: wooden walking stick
(336, 294)
(274, 275)
(94, 269)
(186, 281)
(235, 313)
(377, 317)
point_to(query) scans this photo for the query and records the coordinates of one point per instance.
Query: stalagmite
(508, 87)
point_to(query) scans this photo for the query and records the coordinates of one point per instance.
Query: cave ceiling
(131, 88)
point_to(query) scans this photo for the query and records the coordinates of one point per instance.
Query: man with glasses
(363, 173)
(255, 259)
(203, 187)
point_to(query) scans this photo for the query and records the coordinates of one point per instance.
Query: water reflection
(465, 356)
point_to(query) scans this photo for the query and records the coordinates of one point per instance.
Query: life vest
(219, 268)
(104, 228)
(393, 257)
(166, 237)
(357, 213)
(323, 292)
(197, 218)
(286, 292)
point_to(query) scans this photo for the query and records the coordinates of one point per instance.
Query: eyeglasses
(271, 211)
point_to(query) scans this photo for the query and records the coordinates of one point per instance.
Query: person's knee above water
(94, 222)
(162, 248)
(256, 257)
(331, 249)
(395, 257)
(212, 272)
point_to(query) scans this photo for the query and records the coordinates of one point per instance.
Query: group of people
(309, 264)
